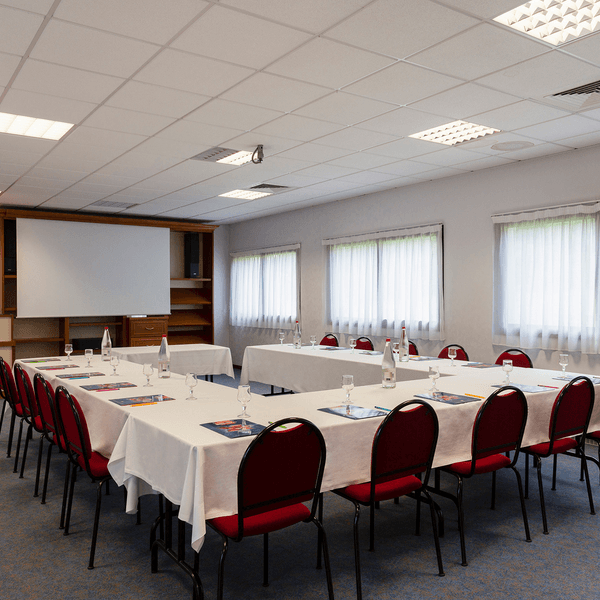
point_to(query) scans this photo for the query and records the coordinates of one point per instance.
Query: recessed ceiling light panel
(225, 155)
(33, 127)
(454, 133)
(245, 194)
(554, 21)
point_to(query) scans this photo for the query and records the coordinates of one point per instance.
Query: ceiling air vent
(270, 186)
(579, 98)
(111, 204)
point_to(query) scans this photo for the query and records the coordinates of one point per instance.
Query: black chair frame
(411, 343)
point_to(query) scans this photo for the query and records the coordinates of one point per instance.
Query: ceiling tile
(361, 160)
(328, 63)
(581, 141)
(233, 114)
(440, 173)
(20, 158)
(239, 38)
(90, 136)
(17, 29)
(424, 23)
(152, 20)
(58, 174)
(274, 92)
(271, 144)
(67, 202)
(37, 6)
(45, 107)
(297, 180)
(483, 8)
(449, 156)
(189, 132)
(128, 121)
(314, 153)
(536, 151)
(405, 148)
(587, 47)
(310, 15)
(546, 74)
(518, 115)
(403, 121)
(566, 127)
(405, 167)
(171, 148)
(328, 171)
(479, 51)
(463, 101)
(365, 177)
(21, 143)
(8, 64)
(402, 84)
(298, 128)
(353, 138)
(27, 195)
(65, 82)
(487, 144)
(192, 73)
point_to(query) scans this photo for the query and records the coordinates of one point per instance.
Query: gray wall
(464, 204)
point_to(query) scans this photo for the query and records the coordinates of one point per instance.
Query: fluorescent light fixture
(239, 158)
(32, 127)
(245, 194)
(454, 133)
(554, 21)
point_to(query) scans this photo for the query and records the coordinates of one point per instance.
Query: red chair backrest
(519, 358)
(461, 353)
(499, 424)
(73, 425)
(281, 468)
(404, 443)
(412, 349)
(8, 385)
(572, 409)
(329, 340)
(44, 395)
(25, 391)
(364, 343)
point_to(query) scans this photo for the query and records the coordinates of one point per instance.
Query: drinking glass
(452, 356)
(348, 386)
(281, 337)
(114, 361)
(191, 382)
(563, 361)
(313, 341)
(434, 375)
(352, 344)
(68, 350)
(147, 370)
(88, 354)
(243, 397)
(507, 367)
(396, 351)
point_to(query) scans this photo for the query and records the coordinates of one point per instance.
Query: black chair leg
(526, 476)
(28, 436)
(436, 537)
(372, 527)
(461, 521)
(16, 467)
(70, 499)
(38, 470)
(554, 463)
(320, 537)
(11, 433)
(96, 522)
(266, 560)
(222, 568)
(65, 495)
(523, 508)
(2, 414)
(357, 552)
(45, 488)
(538, 464)
(587, 482)
(418, 526)
(326, 558)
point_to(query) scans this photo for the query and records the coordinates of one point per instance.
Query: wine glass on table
(434, 375)
(352, 344)
(68, 350)
(88, 354)
(244, 397)
(313, 341)
(507, 367)
(191, 382)
(563, 361)
(348, 386)
(114, 362)
(281, 336)
(147, 370)
(452, 356)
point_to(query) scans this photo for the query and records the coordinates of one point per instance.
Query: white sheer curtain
(382, 281)
(546, 279)
(264, 288)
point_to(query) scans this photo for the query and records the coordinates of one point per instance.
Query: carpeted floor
(36, 560)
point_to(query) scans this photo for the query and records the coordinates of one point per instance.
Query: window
(546, 280)
(380, 282)
(264, 287)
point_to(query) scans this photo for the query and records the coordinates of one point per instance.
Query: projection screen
(72, 269)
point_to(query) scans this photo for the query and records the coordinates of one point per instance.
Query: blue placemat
(233, 428)
(530, 389)
(447, 398)
(151, 399)
(350, 411)
(108, 387)
(81, 375)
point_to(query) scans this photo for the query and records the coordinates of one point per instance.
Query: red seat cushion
(273, 520)
(37, 423)
(482, 465)
(361, 492)
(594, 434)
(98, 465)
(559, 446)
(19, 410)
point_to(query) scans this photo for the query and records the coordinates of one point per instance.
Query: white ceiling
(330, 89)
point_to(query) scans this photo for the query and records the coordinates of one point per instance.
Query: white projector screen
(72, 269)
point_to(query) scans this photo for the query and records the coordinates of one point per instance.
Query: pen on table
(143, 404)
(381, 408)
(552, 387)
(474, 396)
(108, 390)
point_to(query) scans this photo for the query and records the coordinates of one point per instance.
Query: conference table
(164, 447)
(201, 359)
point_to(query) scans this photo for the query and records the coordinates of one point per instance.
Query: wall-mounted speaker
(191, 254)
(10, 247)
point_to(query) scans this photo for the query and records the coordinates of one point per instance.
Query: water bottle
(388, 367)
(404, 352)
(106, 345)
(164, 359)
(297, 336)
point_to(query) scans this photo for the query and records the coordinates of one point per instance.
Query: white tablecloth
(201, 359)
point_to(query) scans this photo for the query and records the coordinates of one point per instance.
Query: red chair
(401, 458)
(498, 429)
(364, 343)
(329, 340)
(14, 401)
(280, 472)
(81, 456)
(519, 358)
(412, 348)
(569, 421)
(461, 353)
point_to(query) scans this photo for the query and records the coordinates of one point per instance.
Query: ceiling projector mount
(258, 155)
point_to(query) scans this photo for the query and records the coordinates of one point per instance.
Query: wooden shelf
(187, 318)
(96, 324)
(10, 277)
(188, 296)
(190, 279)
(38, 340)
(189, 336)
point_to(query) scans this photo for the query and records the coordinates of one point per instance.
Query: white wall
(464, 204)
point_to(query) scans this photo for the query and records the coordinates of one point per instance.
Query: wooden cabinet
(145, 331)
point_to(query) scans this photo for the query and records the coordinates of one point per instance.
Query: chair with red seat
(461, 353)
(329, 340)
(498, 429)
(364, 343)
(412, 348)
(518, 357)
(279, 473)
(569, 421)
(74, 427)
(14, 401)
(401, 457)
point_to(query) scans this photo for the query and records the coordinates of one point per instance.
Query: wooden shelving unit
(191, 319)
